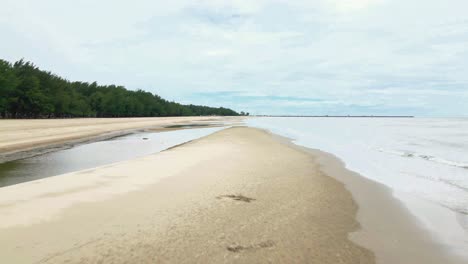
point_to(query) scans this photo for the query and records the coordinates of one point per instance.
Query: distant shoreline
(353, 116)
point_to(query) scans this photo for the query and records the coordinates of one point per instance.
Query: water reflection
(94, 154)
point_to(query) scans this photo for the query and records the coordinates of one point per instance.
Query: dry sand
(237, 196)
(21, 138)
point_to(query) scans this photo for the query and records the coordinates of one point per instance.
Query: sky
(303, 57)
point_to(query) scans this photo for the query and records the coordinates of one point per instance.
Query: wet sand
(387, 228)
(21, 138)
(241, 195)
(236, 196)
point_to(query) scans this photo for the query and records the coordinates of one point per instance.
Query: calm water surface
(95, 154)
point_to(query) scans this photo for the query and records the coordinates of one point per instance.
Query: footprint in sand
(238, 197)
(239, 248)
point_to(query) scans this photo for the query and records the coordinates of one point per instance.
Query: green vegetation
(28, 92)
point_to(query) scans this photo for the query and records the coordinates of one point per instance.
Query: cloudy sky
(264, 57)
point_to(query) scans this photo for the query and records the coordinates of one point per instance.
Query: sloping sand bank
(238, 195)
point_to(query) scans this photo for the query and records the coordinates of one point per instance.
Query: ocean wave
(452, 183)
(408, 154)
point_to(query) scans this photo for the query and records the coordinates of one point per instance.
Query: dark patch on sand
(188, 125)
(237, 197)
(239, 248)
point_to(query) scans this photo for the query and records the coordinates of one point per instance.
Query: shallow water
(95, 154)
(424, 161)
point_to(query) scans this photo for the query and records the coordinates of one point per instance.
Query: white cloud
(218, 52)
(352, 5)
(333, 49)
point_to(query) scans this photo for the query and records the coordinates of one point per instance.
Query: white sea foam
(443, 161)
(420, 159)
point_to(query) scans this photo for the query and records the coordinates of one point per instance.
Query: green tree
(28, 92)
(8, 84)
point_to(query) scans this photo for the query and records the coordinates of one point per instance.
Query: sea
(424, 161)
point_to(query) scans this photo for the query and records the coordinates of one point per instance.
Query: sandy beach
(236, 196)
(21, 138)
(241, 195)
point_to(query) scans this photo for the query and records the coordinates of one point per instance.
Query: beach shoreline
(240, 194)
(432, 192)
(388, 228)
(404, 239)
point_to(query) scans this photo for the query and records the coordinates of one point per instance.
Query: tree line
(28, 92)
